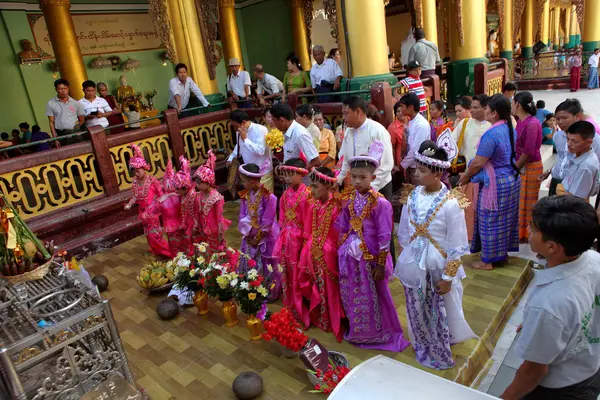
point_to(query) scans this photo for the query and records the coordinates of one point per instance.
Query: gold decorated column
(228, 29)
(567, 26)
(507, 31)
(60, 27)
(556, 36)
(574, 26)
(188, 43)
(429, 20)
(545, 22)
(591, 25)
(527, 29)
(300, 34)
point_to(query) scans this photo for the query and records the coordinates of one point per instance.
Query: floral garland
(274, 139)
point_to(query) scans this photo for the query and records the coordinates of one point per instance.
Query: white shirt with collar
(593, 61)
(237, 83)
(184, 90)
(561, 321)
(296, 140)
(254, 149)
(357, 143)
(418, 131)
(269, 85)
(328, 71)
(96, 105)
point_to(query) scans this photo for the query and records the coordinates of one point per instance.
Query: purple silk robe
(372, 317)
(266, 219)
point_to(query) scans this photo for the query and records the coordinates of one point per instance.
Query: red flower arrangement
(330, 378)
(284, 329)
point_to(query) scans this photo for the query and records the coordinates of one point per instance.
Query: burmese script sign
(101, 33)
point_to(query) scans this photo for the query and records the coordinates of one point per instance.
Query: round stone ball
(101, 282)
(167, 309)
(247, 385)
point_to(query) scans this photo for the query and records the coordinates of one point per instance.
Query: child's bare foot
(482, 265)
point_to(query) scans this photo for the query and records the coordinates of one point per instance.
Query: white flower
(201, 247)
(244, 286)
(270, 268)
(252, 274)
(218, 267)
(234, 283)
(184, 262)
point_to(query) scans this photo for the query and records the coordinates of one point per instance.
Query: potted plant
(251, 294)
(149, 95)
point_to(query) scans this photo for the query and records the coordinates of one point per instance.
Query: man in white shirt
(417, 131)
(180, 88)
(425, 52)
(471, 129)
(95, 109)
(297, 140)
(593, 75)
(251, 144)
(325, 75)
(238, 84)
(267, 86)
(559, 342)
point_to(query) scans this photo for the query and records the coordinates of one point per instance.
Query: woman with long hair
(529, 158)
(295, 79)
(497, 215)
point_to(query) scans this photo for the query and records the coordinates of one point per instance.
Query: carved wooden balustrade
(491, 78)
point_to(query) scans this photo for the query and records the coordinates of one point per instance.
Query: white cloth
(357, 143)
(561, 321)
(328, 71)
(269, 85)
(418, 131)
(186, 297)
(254, 149)
(449, 229)
(593, 61)
(473, 132)
(184, 90)
(296, 140)
(237, 83)
(96, 105)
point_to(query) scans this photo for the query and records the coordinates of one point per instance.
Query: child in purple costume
(365, 264)
(258, 226)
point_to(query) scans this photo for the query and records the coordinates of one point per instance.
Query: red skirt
(575, 78)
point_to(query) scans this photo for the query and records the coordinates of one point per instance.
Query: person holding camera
(95, 109)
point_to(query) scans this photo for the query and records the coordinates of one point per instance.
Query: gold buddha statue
(126, 94)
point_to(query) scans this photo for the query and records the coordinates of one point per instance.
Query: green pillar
(508, 54)
(527, 52)
(461, 77)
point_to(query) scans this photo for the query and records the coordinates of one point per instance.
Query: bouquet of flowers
(284, 329)
(180, 267)
(251, 292)
(274, 139)
(220, 278)
(330, 378)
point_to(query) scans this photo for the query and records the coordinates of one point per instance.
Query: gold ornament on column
(300, 35)
(459, 21)
(230, 35)
(418, 13)
(331, 13)
(61, 30)
(518, 9)
(208, 14)
(160, 19)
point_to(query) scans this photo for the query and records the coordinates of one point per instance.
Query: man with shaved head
(325, 75)
(267, 86)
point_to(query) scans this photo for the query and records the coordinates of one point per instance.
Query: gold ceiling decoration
(518, 9)
(331, 13)
(160, 19)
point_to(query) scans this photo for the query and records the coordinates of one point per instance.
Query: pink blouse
(529, 139)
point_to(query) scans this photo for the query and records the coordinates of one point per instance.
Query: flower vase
(255, 327)
(229, 310)
(201, 302)
(150, 103)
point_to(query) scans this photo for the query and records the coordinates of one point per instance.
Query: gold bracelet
(382, 257)
(452, 267)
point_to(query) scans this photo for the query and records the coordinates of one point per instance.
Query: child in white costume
(433, 236)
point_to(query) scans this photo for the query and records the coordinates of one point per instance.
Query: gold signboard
(101, 33)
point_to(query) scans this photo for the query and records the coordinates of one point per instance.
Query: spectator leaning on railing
(65, 114)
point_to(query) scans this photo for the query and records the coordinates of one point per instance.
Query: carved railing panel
(43, 188)
(494, 85)
(198, 140)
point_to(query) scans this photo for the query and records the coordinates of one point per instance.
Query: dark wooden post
(104, 159)
(177, 147)
(435, 87)
(381, 97)
(481, 71)
(505, 76)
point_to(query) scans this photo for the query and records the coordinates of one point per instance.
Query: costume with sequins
(365, 228)
(258, 219)
(318, 277)
(433, 235)
(292, 212)
(211, 224)
(169, 205)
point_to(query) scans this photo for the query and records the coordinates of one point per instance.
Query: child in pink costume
(292, 213)
(210, 223)
(169, 205)
(146, 190)
(183, 185)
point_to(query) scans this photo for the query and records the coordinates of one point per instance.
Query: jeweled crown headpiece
(206, 172)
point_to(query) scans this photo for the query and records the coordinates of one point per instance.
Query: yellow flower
(223, 282)
(274, 139)
(262, 291)
(252, 296)
(272, 286)
(270, 268)
(200, 260)
(280, 268)
(202, 247)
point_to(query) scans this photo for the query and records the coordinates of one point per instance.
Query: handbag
(459, 164)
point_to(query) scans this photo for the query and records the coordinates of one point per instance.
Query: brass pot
(255, 327)
(201, 302)
(229, 310)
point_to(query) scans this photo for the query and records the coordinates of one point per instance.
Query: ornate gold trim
(459, 22)
(55, 3)
(518, 9)
(307, 8)
(208, 15)
(418, 5)
(331, 13)
(159, 14)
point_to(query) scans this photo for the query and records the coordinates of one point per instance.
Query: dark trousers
(73, 139)
(387, 192)
(325, 87)
(589, 389)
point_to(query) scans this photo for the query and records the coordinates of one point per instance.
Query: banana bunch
(152, 276)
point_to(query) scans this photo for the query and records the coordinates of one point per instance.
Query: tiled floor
(194, 354)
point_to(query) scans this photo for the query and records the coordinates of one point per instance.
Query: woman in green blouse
(295, 79)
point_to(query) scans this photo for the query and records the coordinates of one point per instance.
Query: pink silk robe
(318, 274)
(211, 224)
(292, 214)
(169, 205)
(188, 219)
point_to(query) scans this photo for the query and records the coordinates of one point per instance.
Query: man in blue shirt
(541, 111)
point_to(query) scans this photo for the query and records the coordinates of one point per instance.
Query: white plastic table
(382, 378)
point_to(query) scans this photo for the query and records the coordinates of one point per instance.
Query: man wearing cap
(180, 88)
(267, 86)
(425, 52)
(413, 84)
(238, 84)
(325, 75)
